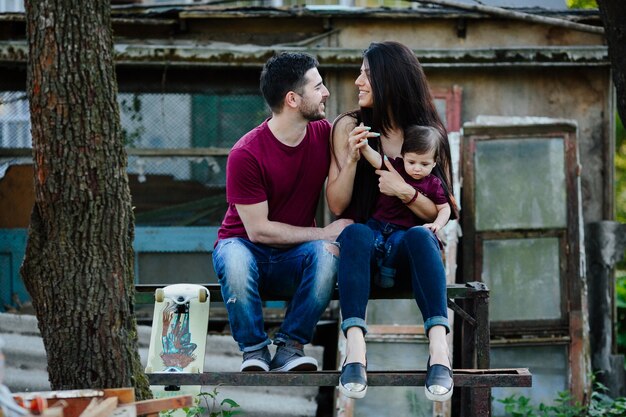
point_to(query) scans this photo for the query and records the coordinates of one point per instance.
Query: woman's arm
(347, 139)
(391, 183)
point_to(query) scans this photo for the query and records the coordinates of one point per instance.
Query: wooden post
(605, 243)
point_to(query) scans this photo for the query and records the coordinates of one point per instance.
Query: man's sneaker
(290, 357)
(257, 360)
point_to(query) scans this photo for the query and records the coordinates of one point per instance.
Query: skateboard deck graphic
(178, 335)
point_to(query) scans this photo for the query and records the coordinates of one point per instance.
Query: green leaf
(230, 402)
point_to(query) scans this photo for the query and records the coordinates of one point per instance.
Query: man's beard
(312, 113)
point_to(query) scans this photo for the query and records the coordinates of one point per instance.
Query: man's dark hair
(283, 73)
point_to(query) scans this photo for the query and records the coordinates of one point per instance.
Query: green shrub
(564, 406)
(206, 404)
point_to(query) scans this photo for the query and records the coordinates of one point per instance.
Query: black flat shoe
(353, 380)
(439, 382)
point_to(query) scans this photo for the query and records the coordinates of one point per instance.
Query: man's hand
(335, 228)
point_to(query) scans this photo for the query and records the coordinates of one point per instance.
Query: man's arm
(262, 230)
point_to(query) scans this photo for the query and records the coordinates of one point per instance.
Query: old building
(188, 83)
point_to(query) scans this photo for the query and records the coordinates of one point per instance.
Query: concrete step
(25, 369)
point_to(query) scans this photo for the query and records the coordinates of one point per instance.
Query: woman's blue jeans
(418, 260)
(245, 270)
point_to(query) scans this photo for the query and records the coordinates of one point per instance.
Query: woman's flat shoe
(439, 383)
(353, 380)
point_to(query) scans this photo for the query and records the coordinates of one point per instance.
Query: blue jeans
(418, 261)
(246, 270)
(387, 238)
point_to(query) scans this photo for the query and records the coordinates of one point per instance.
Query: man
(268, 240)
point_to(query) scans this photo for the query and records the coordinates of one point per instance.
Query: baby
(420, 153)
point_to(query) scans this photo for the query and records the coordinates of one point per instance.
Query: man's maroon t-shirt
(261, 168)
(391, 209)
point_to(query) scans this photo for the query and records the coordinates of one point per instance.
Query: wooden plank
(162, 404)
(145, 292)
(76, 402)
(123, 395)
(100, 408)
(510, 377)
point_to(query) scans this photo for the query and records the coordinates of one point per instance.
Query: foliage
(620, 198)
(205, 404)
(521, 406)
(620, 170)
(582, 4)
(132, 107)
(564, 406)
(620, 297)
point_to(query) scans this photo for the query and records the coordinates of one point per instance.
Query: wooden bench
(473, 377)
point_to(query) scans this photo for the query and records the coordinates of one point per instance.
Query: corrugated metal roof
(420, 11)
(227, 55)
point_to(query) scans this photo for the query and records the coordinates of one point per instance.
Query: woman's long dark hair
(401, 98)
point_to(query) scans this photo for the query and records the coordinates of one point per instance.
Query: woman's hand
(392, 184)
(357, 138)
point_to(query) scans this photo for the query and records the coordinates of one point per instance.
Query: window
(521, 237)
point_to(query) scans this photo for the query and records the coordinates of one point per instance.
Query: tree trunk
(78, 266)
(613, 15)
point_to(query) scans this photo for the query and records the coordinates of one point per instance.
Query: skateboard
(178, 335)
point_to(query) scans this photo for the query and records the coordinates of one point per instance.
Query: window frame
(473, 239)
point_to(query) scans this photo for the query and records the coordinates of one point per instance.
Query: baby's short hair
(421, 140)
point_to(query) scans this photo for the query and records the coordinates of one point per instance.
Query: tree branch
(499, 11)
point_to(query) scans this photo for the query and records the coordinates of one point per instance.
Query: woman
(393, 94)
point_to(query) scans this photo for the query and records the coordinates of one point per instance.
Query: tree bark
(78, 266)
(613, 14)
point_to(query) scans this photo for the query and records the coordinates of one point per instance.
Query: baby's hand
(435, 227)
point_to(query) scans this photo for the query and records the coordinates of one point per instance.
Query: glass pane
(547, 364)
(395, 401)
(441, 106)
(174, 268)
(520, 183)
(524, 279)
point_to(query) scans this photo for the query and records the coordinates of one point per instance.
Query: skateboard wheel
(159, 295)
(202, 295)
(149, 369)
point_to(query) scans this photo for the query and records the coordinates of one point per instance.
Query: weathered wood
(145, 292)
(474, 384)
(473, 378)
(162, 404)
(515, 15)
(75, 402)
(605, 243)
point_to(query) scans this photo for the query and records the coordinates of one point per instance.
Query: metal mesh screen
(14, 120)
(177, 146)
